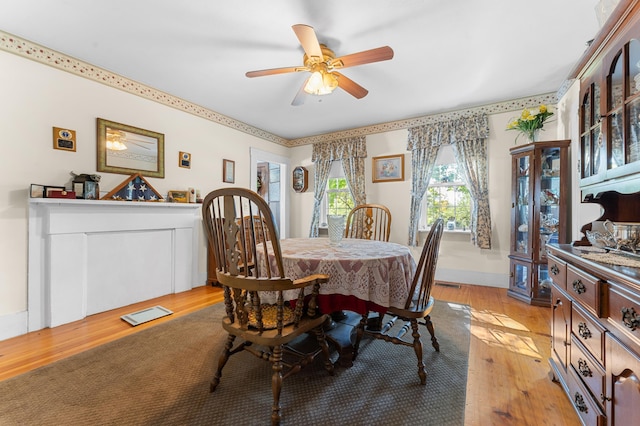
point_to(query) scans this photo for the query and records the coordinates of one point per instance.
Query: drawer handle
(583, 368)
(578, 401)
(630, 318)
(584, 331)
(578, 287)
(558, 303)
(604, 398)
(554, 269)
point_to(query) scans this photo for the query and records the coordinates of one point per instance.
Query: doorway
(270, 177)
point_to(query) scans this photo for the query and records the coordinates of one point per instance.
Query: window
(447, 196)
(337, 198)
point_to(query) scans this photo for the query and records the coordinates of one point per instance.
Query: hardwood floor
(508, 377)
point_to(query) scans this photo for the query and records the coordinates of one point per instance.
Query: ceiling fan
(322, 63)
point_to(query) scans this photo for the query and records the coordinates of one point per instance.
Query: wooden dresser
(595, 336)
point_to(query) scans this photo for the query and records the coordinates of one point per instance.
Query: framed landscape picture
(388, 168)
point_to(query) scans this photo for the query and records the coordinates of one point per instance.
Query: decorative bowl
(600, 240)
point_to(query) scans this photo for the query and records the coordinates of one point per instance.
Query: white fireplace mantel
(88, 256)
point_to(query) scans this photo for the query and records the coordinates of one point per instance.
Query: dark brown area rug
(160, 376)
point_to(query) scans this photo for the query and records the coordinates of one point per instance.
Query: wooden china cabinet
(539, 215)
(595, 345)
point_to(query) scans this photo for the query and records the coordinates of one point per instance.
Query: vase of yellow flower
(530, 122)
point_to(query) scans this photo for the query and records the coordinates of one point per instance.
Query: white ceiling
(449, 54)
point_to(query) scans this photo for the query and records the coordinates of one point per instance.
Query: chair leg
(417, 347)
(328, 365)
(224, 357)
(359, 334)
(276, 383)
(434, 340)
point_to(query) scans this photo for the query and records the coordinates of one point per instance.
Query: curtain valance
(339, 149)
(448, 131)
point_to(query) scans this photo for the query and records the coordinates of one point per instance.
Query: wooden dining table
(364, 276)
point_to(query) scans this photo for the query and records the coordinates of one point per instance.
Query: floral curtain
(352, 152)
(471, 156)
(423, 158)
(467, 134)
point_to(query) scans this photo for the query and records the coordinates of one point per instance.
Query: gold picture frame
(179, 196)
(388, 168)
(128, 150)
(228, 171)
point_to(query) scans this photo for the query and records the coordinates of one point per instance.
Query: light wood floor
(508, 378)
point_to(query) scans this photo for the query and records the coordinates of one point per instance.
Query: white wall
(33, 99)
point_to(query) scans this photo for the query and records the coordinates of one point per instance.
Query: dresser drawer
(587, 408)
(587, 368)
(588, 332)
(623, 309)
(583, 287)
(557, 271)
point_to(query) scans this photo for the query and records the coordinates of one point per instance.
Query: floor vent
(452, 285)
(146, 315)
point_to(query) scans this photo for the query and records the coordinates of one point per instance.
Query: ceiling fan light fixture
(321, 83)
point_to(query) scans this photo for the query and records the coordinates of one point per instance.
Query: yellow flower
(530, 121)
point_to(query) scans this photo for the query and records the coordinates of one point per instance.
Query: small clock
(300, 179)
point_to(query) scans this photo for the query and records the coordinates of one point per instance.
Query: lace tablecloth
(371, 271)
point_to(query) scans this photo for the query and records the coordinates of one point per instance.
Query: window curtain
(352, 152)
(423, 157)
(471, 156)
(468, 136)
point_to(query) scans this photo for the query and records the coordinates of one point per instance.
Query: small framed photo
(179, 196)
(184, 160)
(36, 191)
(228, 171)
(48, 189)
(388, 168)
(64, 139)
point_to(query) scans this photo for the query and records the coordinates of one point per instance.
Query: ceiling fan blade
(274, 71)
(365, 57)
(301, 96)
(350, 86)
(307, 37)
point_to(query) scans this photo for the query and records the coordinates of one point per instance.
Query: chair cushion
(269, 313)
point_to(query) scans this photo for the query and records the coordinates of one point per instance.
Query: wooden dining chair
(418, 306)
(369, 222)
(257, 311)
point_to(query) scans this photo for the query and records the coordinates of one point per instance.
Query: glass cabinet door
(521, 279)
(632, 142)
(550, 196)
(522, 194)
(591, 142)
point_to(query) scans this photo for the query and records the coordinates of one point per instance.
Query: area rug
(160, 376)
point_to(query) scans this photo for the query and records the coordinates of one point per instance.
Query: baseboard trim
(459, 276)
(12, 325)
